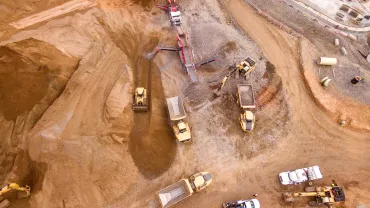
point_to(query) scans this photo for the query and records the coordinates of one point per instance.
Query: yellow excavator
(246, 66)
(324, 195)
(140, 100)
(24, 191)
(243, 68)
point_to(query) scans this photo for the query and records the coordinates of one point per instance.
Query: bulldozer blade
(140, 108)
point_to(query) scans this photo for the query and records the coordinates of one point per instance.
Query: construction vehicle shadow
(152, 144)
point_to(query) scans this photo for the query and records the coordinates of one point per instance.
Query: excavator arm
(13, 186)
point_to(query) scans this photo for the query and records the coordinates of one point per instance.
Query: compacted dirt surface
(68, 130)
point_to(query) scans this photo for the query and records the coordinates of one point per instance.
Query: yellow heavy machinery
(177, 115)
(246, 66)
(24, 191)
(140, 100)
(247, 105)
(243, 68)
(323, 195)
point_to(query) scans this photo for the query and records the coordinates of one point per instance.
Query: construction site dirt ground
(68, 130)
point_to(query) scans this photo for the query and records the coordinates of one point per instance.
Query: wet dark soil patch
(151, 144)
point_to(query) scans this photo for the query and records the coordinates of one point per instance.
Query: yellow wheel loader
(140, 100)
(182, 131)
(24, 191)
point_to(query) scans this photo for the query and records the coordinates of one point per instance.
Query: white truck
(175, 17)
(173, 11)
(250, 203)
(247, 105)
(177, 114)
(184, 188)
(300, 175)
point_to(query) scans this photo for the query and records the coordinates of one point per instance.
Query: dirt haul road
(313, 138)
(151, 136)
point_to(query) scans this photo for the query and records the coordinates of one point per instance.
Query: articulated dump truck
(247, 106)
(177, 115)
(184, 188)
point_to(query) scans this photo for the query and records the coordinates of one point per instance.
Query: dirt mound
(28, 68)
(33, 74)
(13, 10)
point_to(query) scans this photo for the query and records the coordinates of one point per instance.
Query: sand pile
(33, 74)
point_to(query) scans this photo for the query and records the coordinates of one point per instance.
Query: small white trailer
(300, 175)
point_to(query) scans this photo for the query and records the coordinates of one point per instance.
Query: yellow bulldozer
(140, 100)
(329, 196)
(23, 191)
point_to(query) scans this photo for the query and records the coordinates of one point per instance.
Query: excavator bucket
(288, 197)
(25, 193)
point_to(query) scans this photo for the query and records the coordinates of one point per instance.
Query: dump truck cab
(246, 66)
(175, 17)
(140, 100)
(200, 181)
(246, 120)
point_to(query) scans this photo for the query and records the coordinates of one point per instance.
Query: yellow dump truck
(247, 105)
(177, 115)
(184, 188)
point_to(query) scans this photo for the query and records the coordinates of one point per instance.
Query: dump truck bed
(175, 193)
(246, 96)
(176, 108)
